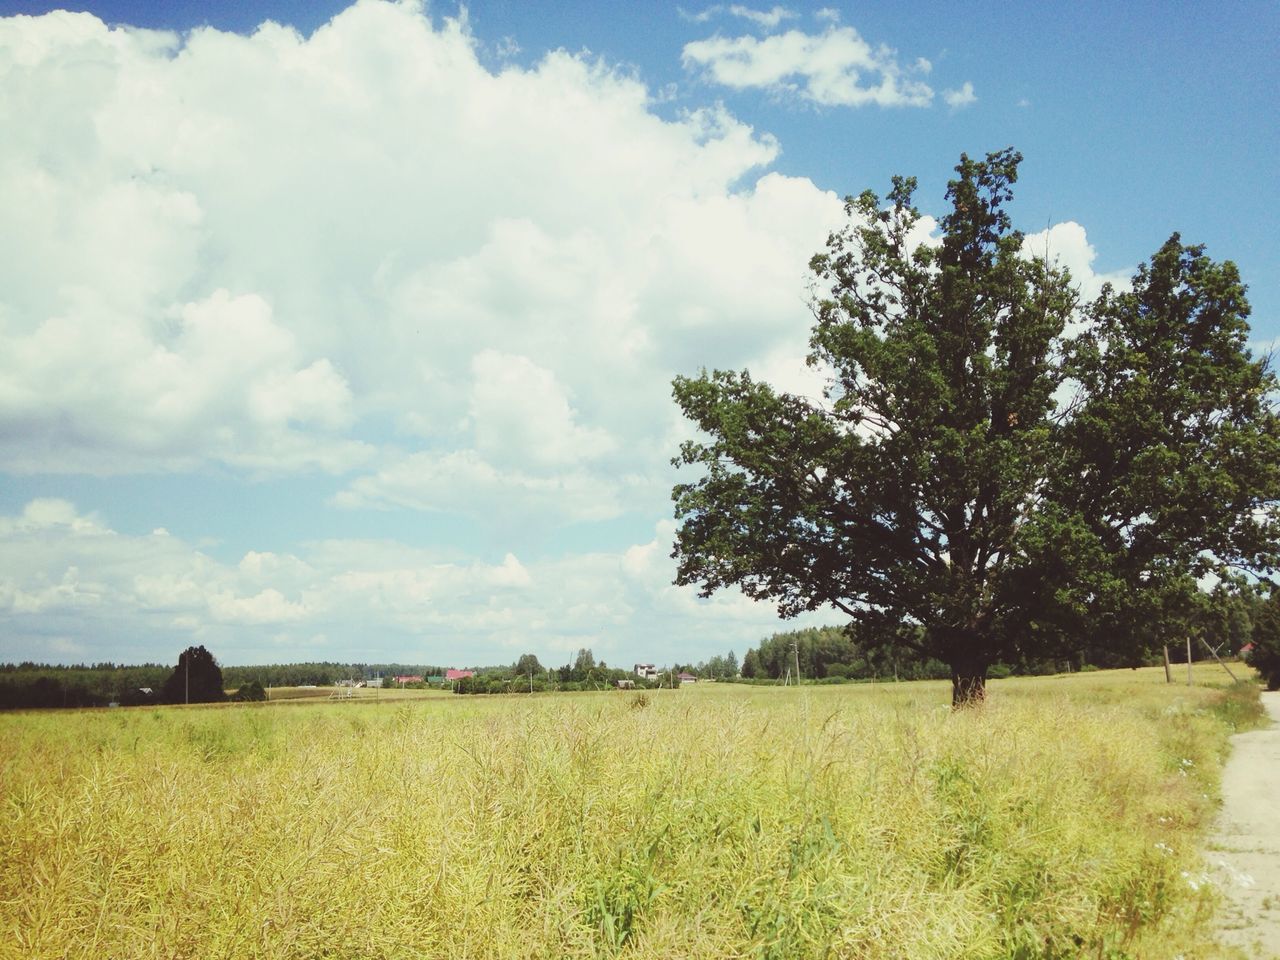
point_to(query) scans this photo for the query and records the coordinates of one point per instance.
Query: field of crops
(721, 821)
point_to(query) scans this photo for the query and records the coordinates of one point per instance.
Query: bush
(250, 692)
(1265, 655)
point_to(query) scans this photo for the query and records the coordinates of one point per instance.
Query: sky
(347, 333)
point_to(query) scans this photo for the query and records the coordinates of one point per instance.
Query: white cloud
(458, 289)
(258, 251)
(370, 599)
(768, 19)
(955, 99)
(463, 482)
(521, 414)
(1067, 245)
(837, 67)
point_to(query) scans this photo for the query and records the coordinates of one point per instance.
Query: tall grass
(1060, 820)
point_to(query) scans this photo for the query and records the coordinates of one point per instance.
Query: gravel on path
(1244, 846)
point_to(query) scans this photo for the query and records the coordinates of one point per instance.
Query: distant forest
(30, 685)
(822, 654)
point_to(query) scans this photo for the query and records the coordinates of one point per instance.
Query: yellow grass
(723, 821)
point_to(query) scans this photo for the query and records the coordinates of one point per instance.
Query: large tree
(196, 679)
(995, 470)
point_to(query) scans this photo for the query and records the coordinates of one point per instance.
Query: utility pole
(186, 686)
(1168, 674)
(1188, 659)
(795, 649)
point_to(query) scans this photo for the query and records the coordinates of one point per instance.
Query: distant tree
(1265, 655)
(250, 692)
(196, 679)
(528, 664)
(583, 664)
(750, 665)
(992, 462)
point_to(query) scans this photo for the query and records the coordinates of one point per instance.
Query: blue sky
(352, 338)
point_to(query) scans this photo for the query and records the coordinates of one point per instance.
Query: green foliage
(251, 692)
(196, 679)
(321, 673)
(528, 664)
(1240, 707)
(942, 494)
(837, 652)
(1265, 655)
(583, 664)
(32, 685)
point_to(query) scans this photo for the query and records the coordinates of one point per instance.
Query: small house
(452, 675)
(686, 678)
(646, 671)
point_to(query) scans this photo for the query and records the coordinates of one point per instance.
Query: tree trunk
(968, 683)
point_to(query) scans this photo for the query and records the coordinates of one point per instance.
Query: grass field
(1060, 820)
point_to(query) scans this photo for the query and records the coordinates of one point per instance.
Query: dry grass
(846, 821)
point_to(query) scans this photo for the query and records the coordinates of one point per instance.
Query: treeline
(323, 673)
(854, 652)
(36, 685)
(528, 675)
(834, 653)
(584, 672)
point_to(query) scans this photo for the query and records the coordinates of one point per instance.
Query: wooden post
(1168, 673)
(1188, 659)
(1221, 662)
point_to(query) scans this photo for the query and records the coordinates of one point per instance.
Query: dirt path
(1244, 847)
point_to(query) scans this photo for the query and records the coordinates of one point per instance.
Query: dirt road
(1244, 848)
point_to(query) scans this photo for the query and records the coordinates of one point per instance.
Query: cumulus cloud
(454, 287)
(255, 250)
(1067, 245)
(837, 67)
(463, 482)
(955, 99)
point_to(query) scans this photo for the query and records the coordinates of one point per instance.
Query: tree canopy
(1265, 655)
(196, 679)
(996, 469)
(528, 664)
